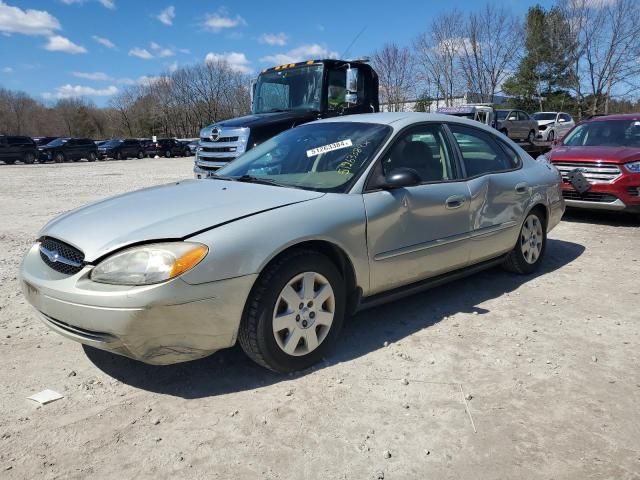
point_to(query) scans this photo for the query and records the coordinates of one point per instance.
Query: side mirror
(351, 95)
(561, 120)
(402, 177)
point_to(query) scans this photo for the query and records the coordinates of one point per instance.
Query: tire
(526, 256)
(141, 154)
(118, 156)
(92, 157)
(319, 324)
(167, 154)
(59, 157)
(531, 138)
(552, 136)
(29, 158)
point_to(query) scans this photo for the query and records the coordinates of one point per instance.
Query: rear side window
(480, 153)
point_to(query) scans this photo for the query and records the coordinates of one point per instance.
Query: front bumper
(622, 194)
(158, 324)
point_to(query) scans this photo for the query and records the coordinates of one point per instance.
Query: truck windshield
(290, 89)
(614, 133)
(320, 156)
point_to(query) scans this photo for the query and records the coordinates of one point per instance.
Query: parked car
(170, 147)
(17, 148)
(517, 125)
(276, 248)
(43, 140)
(68, 150)
(121, 149)
(191, 146)
(553, 125)
(600, 164)
(149, 147)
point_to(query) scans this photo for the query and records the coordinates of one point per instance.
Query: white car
(552, 125)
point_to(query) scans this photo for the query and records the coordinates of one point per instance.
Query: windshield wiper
(260, 180)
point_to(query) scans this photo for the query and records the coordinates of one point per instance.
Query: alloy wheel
(303, 313)
(531, 239)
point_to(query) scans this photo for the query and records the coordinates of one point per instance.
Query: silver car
(278, 247)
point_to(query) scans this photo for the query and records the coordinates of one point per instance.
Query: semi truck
(286, 96)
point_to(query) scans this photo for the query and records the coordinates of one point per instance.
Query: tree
(396, 75)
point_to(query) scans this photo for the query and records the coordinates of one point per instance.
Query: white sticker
(329, 148)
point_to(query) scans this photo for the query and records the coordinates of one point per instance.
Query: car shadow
(601, 217)
(231, 371)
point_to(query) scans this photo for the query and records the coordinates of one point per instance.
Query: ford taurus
(277, 248)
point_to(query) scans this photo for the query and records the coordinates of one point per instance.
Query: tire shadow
(230, 370)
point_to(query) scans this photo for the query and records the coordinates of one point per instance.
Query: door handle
(522, 187)
(455, 201)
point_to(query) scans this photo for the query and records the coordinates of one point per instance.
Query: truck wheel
(29, 158)
(530, 247)
(531, 137)
(294, 312)
(140, 154)
(59, 157)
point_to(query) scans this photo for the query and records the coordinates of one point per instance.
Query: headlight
(633, 167)
(149, 264)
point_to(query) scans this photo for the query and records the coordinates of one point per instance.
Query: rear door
(418, 232)
(498, 190)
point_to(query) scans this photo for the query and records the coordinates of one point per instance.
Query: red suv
(600, 163)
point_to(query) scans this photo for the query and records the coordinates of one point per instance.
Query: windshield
(544, 116)
(616, 133)
(321, 156)
(501, 114)
(111, 143)
(292, 89)
(57, 142)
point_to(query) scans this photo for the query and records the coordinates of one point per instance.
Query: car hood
(174, 211)
(263, 119)
(595, 154)
(545, 122)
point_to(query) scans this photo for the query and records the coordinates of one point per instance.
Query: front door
(498, 189)
(418, 232)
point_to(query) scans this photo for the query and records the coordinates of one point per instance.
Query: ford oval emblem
(215, 135)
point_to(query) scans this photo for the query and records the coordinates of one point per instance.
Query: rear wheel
(529, 250)
(29, 158)
(531, 137)
(294, 312)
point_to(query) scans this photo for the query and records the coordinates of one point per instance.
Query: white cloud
(273, 39)
(7, 70)
(238, 62)
(147, 81)
(167, 15)
(298, 54)
(110, 4)
(141, 53)
(69, 91)
(104, 41)
(154, 46)
(173, 67)
(58, 43)
(27, 22)
(96, 76)
(216, 22)
(165, 52)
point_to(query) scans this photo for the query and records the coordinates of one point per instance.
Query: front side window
(612, 133)
(422, 149)
(321, 156)
(289, 89)
(480, 153)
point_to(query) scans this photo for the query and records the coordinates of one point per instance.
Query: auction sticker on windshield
(329, 148)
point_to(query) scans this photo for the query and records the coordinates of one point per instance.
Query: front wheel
(527, 255)
(531, 137)
(294, 312)
(29, 158)
(552, 136)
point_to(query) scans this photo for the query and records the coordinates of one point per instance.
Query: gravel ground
(549, 366)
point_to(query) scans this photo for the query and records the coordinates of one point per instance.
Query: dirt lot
(551, 363)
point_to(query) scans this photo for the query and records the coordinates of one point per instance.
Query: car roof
(621, 116)
(399, 120)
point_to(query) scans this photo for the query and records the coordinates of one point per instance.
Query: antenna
(353, 41)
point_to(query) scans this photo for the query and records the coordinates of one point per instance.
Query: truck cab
(284, 97)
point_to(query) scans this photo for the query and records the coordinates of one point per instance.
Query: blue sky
(94, 48)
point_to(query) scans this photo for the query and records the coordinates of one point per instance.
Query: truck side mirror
(351, 96)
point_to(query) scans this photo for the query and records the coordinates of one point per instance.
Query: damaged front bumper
(159, 324)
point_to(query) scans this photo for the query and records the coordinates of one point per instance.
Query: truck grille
(589, 196)
(231, 144)
(595, 172)
(221, 139)
(61, 256)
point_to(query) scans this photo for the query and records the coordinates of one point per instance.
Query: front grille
(82, 332)
(61, 256)
(221, 139)
(634, 191)
(219, 149)
(589, 196)
(595, 172)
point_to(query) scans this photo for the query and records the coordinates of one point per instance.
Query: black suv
(169, 147)
(120, 149)
(16, 148)
(69, 150)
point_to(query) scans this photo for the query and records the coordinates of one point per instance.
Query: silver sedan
(278, 247)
